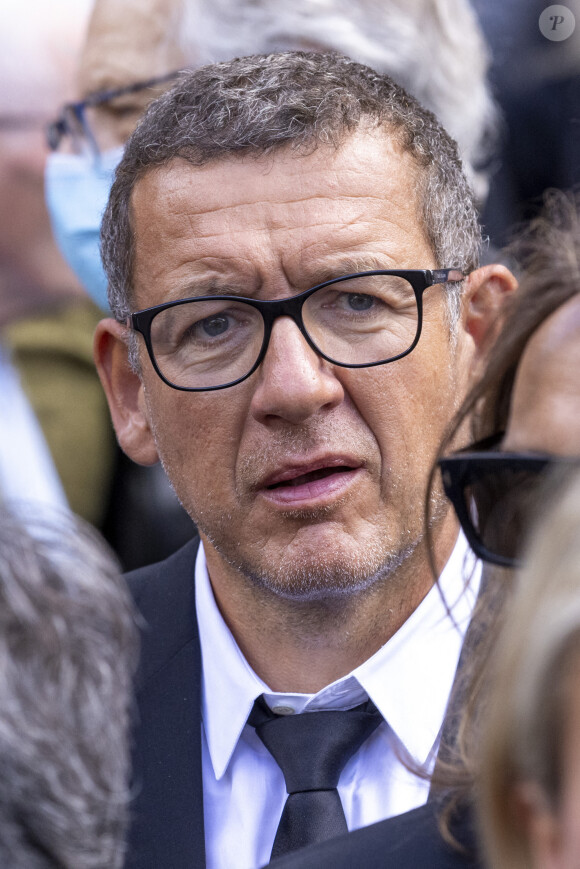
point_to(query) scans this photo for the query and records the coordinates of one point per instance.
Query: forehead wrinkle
(275, 214)
(169, 179)
(172, 175)
(263, 242)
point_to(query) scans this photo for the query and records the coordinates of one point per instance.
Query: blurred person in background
(134, 507)
(529, 794)
(524, 414)
(46, 318)
(68, 649)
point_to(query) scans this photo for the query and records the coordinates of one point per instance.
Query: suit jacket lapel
(167, 827)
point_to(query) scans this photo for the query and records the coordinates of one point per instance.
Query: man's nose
(294, 381)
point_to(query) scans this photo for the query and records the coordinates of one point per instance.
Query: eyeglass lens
(502, 505)
(209, 343)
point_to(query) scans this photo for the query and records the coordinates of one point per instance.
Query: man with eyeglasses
(291, 249)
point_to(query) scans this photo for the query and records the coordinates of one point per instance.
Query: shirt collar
(409, 679)
(229, 685)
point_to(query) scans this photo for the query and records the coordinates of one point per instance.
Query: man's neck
(300, 646)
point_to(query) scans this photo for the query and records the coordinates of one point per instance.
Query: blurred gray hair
(435, 49)
(260, 104)
(68, 648)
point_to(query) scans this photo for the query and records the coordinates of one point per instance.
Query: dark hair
(257, 105)
(548, 250)
(68, 648)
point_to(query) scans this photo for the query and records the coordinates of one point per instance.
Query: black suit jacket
(167, 810)
(409, 841)
(167, 830)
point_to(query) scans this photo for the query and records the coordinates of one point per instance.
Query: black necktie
(312, 749)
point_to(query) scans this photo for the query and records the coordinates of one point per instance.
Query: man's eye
(360, 302)
(214, 326)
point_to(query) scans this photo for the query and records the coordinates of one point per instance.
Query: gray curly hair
(258, 104)
(68, 648)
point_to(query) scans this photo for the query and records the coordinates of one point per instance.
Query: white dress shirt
(408, 680)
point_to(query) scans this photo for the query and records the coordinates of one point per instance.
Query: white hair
(433, 48)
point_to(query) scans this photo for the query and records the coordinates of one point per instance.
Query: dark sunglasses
(496, 494)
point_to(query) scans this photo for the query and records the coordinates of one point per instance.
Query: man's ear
(485, 292)
(124, 392)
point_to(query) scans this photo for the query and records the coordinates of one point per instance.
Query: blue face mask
(77, 189)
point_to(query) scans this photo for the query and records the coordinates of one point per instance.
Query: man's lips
(296, 474)
(317, 480)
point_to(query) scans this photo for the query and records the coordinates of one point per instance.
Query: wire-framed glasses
(496, 495)
(73, 121)
(354, 321)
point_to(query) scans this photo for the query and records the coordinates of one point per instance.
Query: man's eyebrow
(346, 265)
(212, 286)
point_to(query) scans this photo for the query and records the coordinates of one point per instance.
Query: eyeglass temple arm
(442, 276)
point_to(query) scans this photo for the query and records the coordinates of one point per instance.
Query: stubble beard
(307, 573)
(314, 577)
(381, 559)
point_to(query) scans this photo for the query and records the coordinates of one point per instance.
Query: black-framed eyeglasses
(496, 495)
(354, 321)
(73, 121)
